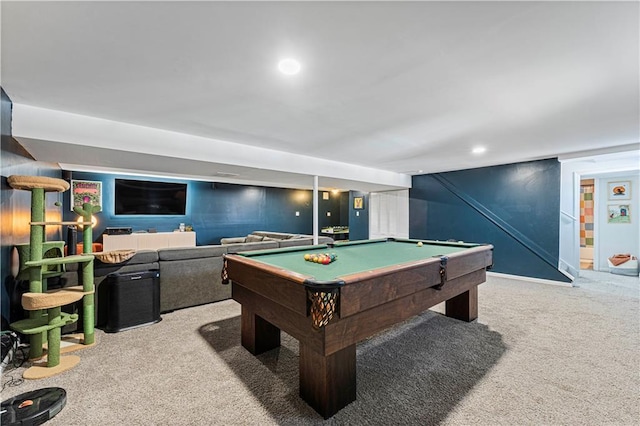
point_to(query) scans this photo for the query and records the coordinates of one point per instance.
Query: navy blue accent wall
(358, 219)
(333, 205)
(218, 210)
(515, 207)
(16, 205)
(108, 218)
(344, 209)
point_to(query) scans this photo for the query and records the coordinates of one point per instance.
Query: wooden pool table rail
(275, 299)
(363, 290)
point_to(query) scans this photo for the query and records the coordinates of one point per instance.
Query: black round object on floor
(33, 408)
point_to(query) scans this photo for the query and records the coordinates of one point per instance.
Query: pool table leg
(463, 306)
(328, 383)
(257, 334)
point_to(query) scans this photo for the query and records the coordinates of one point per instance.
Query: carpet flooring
(539, 354)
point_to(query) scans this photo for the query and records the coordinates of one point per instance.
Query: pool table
(372, 285)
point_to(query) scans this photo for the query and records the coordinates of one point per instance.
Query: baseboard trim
(529, 279)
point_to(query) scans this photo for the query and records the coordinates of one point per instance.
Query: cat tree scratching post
(44, 306)
(88, 302)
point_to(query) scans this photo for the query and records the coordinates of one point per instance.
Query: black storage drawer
(133, 300)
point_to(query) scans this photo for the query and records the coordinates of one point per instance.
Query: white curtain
(389, 214)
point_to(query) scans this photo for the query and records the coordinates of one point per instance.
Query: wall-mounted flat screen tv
(150, 198)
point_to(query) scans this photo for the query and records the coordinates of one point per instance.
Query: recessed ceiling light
(289, 66)
(479, 150)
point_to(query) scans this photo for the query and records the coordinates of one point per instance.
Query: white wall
(569, 220)
(614, 238)
(389, 214)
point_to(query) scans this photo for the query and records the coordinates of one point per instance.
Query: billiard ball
(419, 243)
(321, 258)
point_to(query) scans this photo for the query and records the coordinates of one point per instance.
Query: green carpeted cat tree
(43, 305)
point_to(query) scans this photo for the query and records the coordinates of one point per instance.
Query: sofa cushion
(325, 240)
(191, 282)
(262, 245)
(197, 252)
(274, 235)
(253, 238)
(232, 240)
(293, 242)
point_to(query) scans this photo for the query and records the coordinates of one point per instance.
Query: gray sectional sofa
(281, 238)
(189, 276)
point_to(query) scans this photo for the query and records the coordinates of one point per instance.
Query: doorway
(607, 239)
(587, 196)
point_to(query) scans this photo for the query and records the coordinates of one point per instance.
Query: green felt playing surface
(355, 257)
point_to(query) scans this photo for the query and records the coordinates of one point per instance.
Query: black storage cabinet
(133, 300)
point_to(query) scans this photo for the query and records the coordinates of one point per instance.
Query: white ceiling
(387, 89)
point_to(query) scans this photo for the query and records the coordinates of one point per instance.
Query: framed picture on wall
(618, 213)
(85, 191)
(358, 203)
(620, 190)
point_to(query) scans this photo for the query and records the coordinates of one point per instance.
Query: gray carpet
(539, 354)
